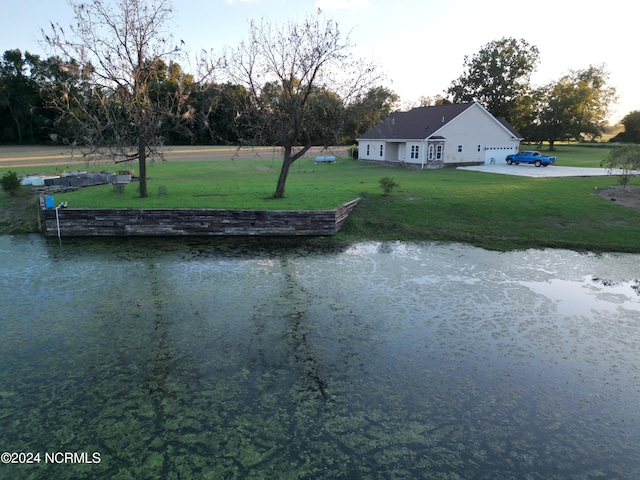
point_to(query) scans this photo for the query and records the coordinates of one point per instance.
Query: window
(438, 152)
(367, 149)
(479, 147)
(430, 152)
(459, 148)
(415, 150)
(381, 149)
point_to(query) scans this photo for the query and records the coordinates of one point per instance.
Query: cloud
(341, 4)
(242, 1)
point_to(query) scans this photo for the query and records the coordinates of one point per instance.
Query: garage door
(497, 154)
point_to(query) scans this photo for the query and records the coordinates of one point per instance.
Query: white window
(381, 149)
(430, 152)
(459, 148)
(438, 152)
(415, 150)
(367, 149)
(479, 147)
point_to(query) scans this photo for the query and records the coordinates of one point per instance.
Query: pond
(214, 359)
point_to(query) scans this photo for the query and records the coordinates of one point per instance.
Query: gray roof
(420, 123)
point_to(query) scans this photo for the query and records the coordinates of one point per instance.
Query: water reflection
(214, 359)
(589, 296)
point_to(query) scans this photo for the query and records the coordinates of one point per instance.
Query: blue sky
(419, 44)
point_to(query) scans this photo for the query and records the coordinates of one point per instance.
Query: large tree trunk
(284, 172)
(288, 159)
(142, 165)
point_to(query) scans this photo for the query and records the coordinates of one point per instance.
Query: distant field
(42, 158)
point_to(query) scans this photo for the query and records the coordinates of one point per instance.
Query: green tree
(498, 76)
(130, 88)
(295, 74)
(426, 101)
(631, 133)
(20, 98)
(223, 108)
(367, 110)
(172, 91)
(326, 120)
(574, 107)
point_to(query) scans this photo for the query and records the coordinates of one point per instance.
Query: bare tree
(300, 76)
(119, 53)
(625, 159)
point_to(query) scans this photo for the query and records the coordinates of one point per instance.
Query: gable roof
(422, 122)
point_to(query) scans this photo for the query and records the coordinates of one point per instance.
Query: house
(433, 137)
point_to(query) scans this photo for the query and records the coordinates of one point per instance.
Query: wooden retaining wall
(80, 222)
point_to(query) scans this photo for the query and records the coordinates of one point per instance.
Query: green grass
(572, 155)
(493, 211)
(19, 213)
(498, 213)
(237, 184)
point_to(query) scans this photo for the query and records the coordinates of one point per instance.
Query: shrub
(625, 158)
(387, 184)
(10, 182)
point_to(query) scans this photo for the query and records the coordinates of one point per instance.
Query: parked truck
(530, 156)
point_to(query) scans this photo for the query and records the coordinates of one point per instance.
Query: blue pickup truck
(531, 156)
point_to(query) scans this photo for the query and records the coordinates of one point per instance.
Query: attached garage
(497, 154)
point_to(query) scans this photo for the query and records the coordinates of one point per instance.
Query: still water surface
(246, 359)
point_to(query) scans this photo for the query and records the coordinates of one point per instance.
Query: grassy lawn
(20, 213)
(494, 211)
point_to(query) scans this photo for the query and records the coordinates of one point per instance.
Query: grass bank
(493, 211)
(19, 213)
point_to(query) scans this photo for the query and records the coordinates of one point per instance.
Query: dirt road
(39, 156)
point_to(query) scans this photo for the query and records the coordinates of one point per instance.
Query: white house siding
(474, 129)
(391, 151)
(417, 150)
(373, 150)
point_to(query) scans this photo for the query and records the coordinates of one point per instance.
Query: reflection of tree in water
(164, 385)
(297, 298)
(285, 318)
(138, 381)
(162, 362)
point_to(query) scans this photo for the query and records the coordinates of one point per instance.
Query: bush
(387, 184)
(10, 182)
(625, 158)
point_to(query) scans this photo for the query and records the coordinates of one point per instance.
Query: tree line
(203, 113)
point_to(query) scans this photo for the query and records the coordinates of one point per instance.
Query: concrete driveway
(525, 170)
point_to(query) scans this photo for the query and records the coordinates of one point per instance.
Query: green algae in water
(208, 360)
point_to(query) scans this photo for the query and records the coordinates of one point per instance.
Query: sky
(419, 45)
